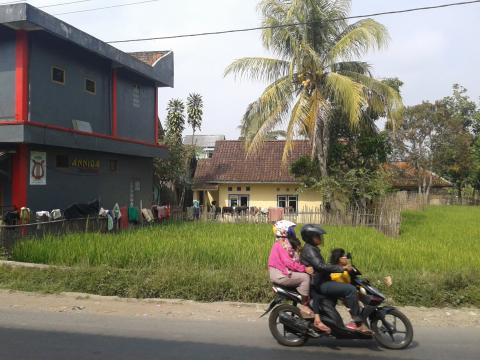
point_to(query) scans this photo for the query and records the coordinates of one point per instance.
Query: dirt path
(158, 308)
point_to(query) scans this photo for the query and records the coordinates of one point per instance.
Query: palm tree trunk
(321, 141)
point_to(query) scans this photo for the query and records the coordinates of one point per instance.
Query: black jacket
(311, 256)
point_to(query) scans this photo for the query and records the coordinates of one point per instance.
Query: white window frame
(238, 197)
(287, 199)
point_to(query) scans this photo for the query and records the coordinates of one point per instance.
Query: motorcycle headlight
(363, 291)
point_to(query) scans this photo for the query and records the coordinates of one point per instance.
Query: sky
(429, 51)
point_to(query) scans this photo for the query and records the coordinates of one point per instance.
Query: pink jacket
(280, 259)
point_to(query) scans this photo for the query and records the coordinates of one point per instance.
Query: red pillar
(21, 77)
(114, 102)
(20, 163)
(155, 117)
(20, 170)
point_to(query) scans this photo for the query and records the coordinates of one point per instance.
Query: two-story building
(78, 117)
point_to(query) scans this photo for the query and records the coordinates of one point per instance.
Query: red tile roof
(230, 163)
(404, 176)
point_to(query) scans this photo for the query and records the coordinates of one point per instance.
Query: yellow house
(233, 179)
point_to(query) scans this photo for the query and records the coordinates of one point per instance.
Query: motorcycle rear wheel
(285, 337)
(390, 340)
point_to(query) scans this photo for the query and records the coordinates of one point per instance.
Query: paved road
(54, 336)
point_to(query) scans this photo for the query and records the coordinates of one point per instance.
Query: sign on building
(38, 168)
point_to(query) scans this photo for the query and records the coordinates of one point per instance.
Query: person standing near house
(196, 209)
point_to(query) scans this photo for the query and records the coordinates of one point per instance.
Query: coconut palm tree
(316, 72)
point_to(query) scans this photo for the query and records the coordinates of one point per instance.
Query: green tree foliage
(442, 137)
(195, 113)
(171, 171)
(317, 73)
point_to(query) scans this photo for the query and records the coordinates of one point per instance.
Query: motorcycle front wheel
(280, 332)
(400, 334)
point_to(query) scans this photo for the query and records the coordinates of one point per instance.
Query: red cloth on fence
(124, 218)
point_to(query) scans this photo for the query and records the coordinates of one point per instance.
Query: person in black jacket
(311, 256)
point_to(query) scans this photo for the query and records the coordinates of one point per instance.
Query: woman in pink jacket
(284, 266)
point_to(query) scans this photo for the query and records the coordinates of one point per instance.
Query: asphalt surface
(79, 335)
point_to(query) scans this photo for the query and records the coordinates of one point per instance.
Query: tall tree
(315, 74)
(416, 139)
(175, 124)
(194, 113)
(171, 172)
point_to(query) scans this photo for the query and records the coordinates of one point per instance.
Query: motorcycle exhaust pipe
(295, 325)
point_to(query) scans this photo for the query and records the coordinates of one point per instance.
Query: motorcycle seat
(291, 291)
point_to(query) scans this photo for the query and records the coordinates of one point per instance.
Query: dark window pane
(229, 188)
(90, 86)
(113, 165)
(62, 161)
(244, 201)
(239, 188)
(58, 75)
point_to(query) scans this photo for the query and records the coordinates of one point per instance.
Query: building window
(136, 96)
(238, 200)
(239, 188)
(113, 165)
(62, 161)
(58, 75)
(90, 86)
(288, 202)
(247, 188)
(230, 188)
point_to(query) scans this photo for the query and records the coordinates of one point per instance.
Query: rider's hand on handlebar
(309, 270)
(348, 268)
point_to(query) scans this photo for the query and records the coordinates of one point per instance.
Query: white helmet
(284, 229)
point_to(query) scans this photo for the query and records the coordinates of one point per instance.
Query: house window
(62, 161)
(90, 86)
(239, 188)
(230, 188)
(113, 165)
(247, 188)
(238, 200)
(58, 75)
(136, 96)
(288, 202)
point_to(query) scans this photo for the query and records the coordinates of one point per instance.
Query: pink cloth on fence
(275, 214)
(280, 259)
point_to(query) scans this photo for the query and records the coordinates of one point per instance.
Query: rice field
(438, 250)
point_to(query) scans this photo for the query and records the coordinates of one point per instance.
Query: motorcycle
(390, 327)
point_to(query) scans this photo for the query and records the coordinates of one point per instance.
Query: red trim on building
(73, 131)
(20, 170)
(155, 118)
(21, 77)
(114, 103)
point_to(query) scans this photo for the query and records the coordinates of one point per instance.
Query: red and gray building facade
(78, 117)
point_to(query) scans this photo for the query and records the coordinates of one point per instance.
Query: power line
(62, 4)
(47, 5)
(106, 7)
(394, 12)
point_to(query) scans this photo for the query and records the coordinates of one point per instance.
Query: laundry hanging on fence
(77, 211)
(147, 215)
(42, 216)
(124, 217)
(25, 215)
(133, 216)
(56, 214)
(11, 218)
